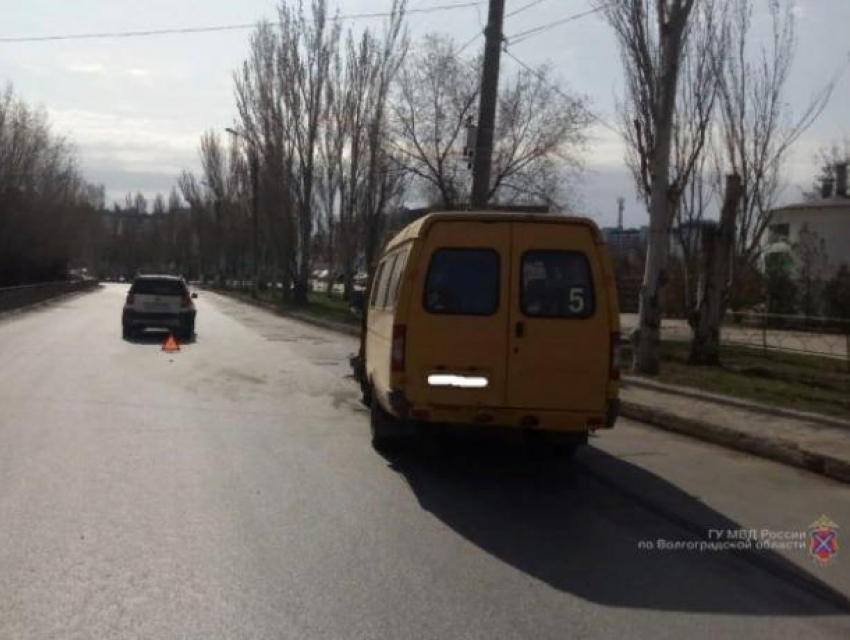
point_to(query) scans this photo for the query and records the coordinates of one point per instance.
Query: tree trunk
(331, 261)
(648, 336)
(718, 245)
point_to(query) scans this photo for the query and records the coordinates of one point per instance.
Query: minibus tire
(552, 446)
(565, 446)
(383, 426)
(366, 394)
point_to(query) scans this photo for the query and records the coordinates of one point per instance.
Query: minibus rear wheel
(384, 426)
(366, 394)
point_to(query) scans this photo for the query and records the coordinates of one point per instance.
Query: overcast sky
(135, 107)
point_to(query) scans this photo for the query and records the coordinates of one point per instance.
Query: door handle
(519, 329)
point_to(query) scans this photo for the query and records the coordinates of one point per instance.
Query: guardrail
(28, 294)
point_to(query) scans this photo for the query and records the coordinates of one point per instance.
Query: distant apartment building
(621, 241)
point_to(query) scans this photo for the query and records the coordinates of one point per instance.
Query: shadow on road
(157, 337)
(577, 527)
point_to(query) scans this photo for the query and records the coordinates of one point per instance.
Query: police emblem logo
(823, 540)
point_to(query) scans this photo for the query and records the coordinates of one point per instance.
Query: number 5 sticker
(576, 300)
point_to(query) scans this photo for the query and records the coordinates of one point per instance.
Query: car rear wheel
(188, 331)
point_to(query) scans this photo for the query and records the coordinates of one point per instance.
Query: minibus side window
(394, 281)
(376, 283)
(462, 282)
(389, 274)
(556, 284)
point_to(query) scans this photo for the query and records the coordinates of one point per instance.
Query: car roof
(419, 228)
(153, 276)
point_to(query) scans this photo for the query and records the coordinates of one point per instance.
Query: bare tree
(384, 183)
(368, 178)
(158, 204)
(827, 159)
(693, 188)
(717, 247)
(260, 107)
(540, 134)
(436, 94)
(140, 203)
(653, 35)
(331, 145)
(352, 119)
(757, 127)
(304, 56)
(47, 209)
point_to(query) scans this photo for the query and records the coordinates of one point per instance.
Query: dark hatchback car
(159, 302)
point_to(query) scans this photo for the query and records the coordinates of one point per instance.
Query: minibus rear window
(556, 284)
(462, 282)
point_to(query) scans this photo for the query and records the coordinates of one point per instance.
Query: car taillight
(616, 357)
(186, 301)
(130, 297)
(397, 351)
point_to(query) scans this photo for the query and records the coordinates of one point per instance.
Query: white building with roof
(827, 216)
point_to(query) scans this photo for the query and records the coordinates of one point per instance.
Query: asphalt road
(230, 491)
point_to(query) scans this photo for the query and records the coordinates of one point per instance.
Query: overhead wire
(527, 33)
(558, 90)
(531, 4)
(216, 28)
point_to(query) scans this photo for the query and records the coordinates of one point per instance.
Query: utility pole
(487, 107)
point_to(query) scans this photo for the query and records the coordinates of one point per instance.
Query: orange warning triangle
(170, 344)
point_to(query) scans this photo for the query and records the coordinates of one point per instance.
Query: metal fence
(28, 294)
(815, 336)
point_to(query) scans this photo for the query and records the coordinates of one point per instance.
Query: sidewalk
(820, 444)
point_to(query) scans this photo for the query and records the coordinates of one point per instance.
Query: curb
(777, 449)
(9, 313)
(306, 318)
(738, 403)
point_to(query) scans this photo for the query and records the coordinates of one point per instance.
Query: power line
(524, 7)
(230, 27)
(543, 78)
(507, 15)
(522, 35)
(467, 43)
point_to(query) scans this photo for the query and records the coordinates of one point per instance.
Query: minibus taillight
(397, 352)
(616, 357)
(130, 297)
(186, 301)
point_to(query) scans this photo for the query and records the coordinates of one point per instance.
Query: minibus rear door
(558, 336)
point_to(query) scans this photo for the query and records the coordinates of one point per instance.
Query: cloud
(86, 68)
(98, 69)
(113, 141)
(604, 148)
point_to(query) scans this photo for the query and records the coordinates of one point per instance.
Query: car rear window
(556, 284)
(462, 282)
(159, 287)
